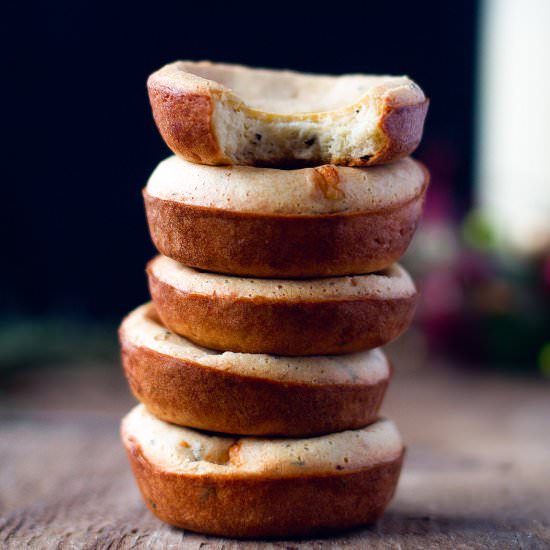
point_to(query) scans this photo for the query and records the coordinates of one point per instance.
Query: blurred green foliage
(34, 342)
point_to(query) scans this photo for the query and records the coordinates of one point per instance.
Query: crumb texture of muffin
(229, 114)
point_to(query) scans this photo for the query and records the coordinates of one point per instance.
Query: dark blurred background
(81, 142)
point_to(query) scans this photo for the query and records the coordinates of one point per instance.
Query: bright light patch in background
(513, 172)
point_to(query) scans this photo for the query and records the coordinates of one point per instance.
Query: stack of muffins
(257, 363)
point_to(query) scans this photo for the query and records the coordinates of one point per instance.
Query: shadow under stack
(258, 363)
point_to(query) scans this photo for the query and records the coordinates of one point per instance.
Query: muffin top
(326, 189)
(393, 282)
(183, 450)
(142, 329)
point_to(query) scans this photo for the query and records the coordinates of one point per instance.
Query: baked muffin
(247, 487)
(213, 113)
(284, 317)
(264, 222)
(249, 394)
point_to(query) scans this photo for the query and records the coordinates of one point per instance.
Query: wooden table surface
(477, 473)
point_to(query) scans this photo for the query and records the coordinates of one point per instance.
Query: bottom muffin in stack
(252, 487)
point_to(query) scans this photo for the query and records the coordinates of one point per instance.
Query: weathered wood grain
(477, 474)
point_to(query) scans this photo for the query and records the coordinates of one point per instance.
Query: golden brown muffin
(282, 317)
(263, 222)
(250, 394)
(246, 487)
(212, 113)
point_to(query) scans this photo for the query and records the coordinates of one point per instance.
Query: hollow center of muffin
(284, 92)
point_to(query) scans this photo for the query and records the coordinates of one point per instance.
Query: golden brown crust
(403, 126)
(256, 506)
(282, 246)
(190, 394)
(278, 326)
(184, 120)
